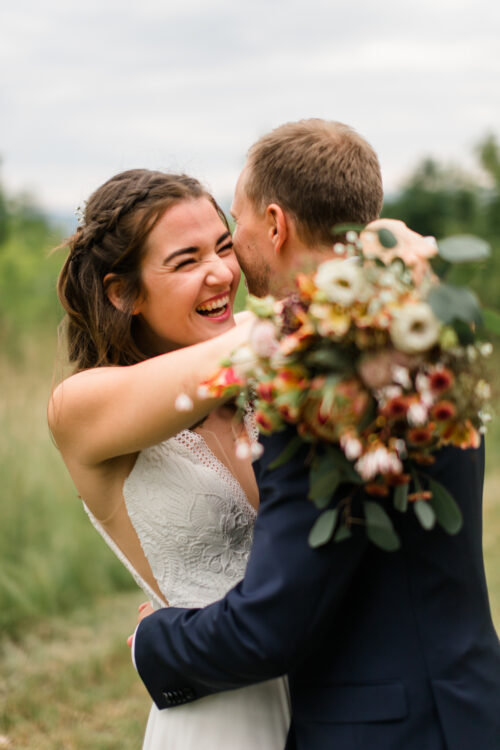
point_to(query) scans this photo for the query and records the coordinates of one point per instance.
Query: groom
(384, 651)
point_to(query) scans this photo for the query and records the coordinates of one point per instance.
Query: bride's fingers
(144, 611)
(143, 605)
(130, 640)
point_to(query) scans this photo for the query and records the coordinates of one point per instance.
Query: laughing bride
(148, 287)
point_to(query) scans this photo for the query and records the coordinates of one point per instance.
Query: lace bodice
(192, 518)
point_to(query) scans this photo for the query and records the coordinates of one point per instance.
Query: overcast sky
(91, 88)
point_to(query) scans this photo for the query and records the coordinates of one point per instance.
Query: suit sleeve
(261, 629)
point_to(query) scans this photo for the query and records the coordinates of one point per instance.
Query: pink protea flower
(263, 339)
(411, 247)
(376, 370)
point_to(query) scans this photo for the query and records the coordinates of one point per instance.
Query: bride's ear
(114, 290)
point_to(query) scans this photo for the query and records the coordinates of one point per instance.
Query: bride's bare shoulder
(75, 394)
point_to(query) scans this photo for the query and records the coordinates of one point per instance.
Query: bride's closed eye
(225, 248)
(187, 262)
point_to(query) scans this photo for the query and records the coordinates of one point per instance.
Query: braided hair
(111, 239)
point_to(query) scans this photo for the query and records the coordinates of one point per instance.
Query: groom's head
(299, 181)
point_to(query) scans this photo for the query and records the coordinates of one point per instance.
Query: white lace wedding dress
(194, 523)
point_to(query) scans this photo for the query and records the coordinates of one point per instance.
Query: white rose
(414, 328)
(342, 282)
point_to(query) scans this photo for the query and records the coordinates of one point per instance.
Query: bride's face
(189, 277)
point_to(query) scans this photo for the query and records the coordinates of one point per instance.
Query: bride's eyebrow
(223, 237)
(183, 251)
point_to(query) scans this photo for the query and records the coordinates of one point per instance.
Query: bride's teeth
(214, 304)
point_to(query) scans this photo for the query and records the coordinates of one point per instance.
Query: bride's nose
(218, 272)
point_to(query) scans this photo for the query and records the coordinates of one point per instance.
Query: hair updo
(111, 239)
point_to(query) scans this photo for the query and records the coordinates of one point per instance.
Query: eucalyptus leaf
(324, 482)
(491, 320)
(461, 274)
(447, 512)
(369, 416)
(425, 514)
(401, 497)
(288, 453)
(323, 502)
(328, 359)
(322, 530)
(379, 528)
(440, 266)
(464, 332)
(347, 470)
(342, 533)
(386, 238)
(463, 248)
(343, 228)
(449, 302)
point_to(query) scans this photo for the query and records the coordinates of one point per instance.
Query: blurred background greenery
(58, 581)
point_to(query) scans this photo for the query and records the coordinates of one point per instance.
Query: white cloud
(92, 89)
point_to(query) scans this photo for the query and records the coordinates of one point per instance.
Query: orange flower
(306, 286)
(463, 435)
(397, 479)
(331, 320)
(265, 391)
(420, 495)
(377, 489)
(421, 435)
(441, 380)
(396, 408)
(267, 421)
(331, 409)
(443, 411)
(290, 412)
(297, 340)
(423, 459)
(224, 382)
(290, 379)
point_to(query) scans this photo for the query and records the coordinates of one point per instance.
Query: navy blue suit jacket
(384, 650)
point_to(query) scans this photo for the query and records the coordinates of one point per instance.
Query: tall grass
(51, 559)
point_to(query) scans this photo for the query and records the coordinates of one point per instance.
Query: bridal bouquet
(378, 357)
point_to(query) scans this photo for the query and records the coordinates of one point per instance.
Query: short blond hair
(322, 172)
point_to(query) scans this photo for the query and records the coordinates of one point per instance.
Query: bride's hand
(145, 609)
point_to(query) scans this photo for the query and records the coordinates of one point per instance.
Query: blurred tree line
(436, 199)
(442, 200)
(28, 272)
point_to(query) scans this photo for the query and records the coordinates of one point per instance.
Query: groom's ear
(278, 229)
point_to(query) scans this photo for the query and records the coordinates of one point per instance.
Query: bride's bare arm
(106, 412)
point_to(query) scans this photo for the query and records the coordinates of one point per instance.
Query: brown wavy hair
(112, 239)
